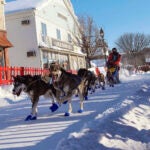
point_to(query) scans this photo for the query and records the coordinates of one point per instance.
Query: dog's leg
(81, 107)
(99, 78)
(81, 95)
(67, 97)
(54, 98)
(34, 108)
(69, 108)
(54, 106)
(104, 84)
(33, 115)
(86, 93)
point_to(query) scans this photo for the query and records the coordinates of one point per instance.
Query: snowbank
(124, 126)
(6, 96)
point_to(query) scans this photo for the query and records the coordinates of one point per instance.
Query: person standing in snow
(114, 59)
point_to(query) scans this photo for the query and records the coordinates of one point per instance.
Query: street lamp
(103, 43)
(101, 33)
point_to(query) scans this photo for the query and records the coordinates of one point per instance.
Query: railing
(7, 73)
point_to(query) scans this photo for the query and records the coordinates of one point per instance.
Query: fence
(7, 73)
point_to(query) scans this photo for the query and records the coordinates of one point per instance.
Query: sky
(116, 17)
(115, 118)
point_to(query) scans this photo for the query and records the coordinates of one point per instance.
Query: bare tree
(131, 44)
(90, 36)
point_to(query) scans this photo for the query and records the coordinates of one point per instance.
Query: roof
(21, 5)
(4, 42)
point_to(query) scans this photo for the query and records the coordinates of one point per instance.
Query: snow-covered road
(50, 128)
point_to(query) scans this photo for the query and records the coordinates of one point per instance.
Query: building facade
(4, 43)
(44, 31)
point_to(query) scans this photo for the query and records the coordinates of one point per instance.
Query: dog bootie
(89, 88)
(65, 102)
(86, 98)
(103, 88)
(33, 118)
(93, 90)
(67, 114)
(28, 118)
(54, 107)
(80, 111)
(76, 95)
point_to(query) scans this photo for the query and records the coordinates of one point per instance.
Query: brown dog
(101, 80)
(68, 83)
(34, 86)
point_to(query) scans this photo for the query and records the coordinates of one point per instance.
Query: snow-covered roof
(21, 5)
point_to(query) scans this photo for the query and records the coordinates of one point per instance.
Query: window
(44, 32)
(31, 54)
(69, 38)
(58, 34)
(25, 22)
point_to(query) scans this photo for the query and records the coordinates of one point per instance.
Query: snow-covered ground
(115, 118)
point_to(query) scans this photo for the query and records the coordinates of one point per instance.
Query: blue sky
(116, 17)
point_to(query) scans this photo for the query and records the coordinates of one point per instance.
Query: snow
(20, 5)
(98, 63)
(115, 118)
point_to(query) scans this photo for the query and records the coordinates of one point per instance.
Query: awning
(4, 42)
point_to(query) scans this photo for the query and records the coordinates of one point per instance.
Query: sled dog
(89, 80)
(101, 80)
(34, 87)
(67, 83)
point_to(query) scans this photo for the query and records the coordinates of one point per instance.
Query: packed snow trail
(50, 128)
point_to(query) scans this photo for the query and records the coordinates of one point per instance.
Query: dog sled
(112, 75)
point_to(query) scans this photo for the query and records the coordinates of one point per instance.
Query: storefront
(68, 60)
(62, 53)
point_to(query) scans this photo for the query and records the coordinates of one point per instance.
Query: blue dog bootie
(28, 118)
(85, 97)
(54, 107)
(65, 102)
(67, 114)
(33, 118)
(80, 111)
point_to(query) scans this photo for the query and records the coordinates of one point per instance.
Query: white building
(43, 31)
(4, 42)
